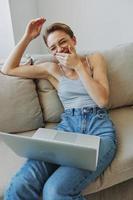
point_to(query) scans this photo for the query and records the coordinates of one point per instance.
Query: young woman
(83, 88)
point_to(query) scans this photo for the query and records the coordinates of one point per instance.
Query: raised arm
(13, 67)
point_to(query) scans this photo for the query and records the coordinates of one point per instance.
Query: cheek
(53, 52)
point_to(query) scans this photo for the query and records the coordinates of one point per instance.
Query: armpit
(53, 81)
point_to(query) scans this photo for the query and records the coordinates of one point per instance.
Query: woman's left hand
(70, 60)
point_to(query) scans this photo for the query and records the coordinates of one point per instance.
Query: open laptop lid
(54, 150)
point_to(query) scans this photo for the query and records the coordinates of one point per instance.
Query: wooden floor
(123, 191)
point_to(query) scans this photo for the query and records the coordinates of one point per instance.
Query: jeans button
(84, 110)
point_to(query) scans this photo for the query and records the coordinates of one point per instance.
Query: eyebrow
(58, 42)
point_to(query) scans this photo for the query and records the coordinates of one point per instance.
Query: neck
(69, 73)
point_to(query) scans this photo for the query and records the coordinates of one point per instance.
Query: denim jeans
(57, 182)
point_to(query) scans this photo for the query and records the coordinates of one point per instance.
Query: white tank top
(73, 94)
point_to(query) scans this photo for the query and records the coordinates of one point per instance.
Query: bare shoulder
(96, 55)
(97, 60)
(54, 70)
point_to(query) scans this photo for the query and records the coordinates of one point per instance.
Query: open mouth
(65, 50)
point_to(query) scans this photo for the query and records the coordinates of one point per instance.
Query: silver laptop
(60, 147)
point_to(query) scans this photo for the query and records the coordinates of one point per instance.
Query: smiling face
(59, 42)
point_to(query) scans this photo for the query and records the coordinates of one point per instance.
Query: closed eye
(52, 49)
(63, 41)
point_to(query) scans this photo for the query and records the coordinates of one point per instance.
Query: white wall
(21, 13)
(6, 33)
(98, 24)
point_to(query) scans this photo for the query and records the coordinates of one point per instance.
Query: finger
(72, 49)
(61, 60)
(40, 19)
(62, 54)
(39, 23)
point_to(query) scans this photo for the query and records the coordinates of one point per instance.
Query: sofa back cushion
(120, 73)
(19, 105)
(50, 102)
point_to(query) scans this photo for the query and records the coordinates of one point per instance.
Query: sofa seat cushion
(121, 168)
(19, 105)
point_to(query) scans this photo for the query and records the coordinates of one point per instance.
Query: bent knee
(107, 149)
(50, 192)
(53, 189)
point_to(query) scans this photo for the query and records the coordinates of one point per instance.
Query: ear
(74, 40)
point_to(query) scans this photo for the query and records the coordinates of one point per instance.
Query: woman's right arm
(13, 67)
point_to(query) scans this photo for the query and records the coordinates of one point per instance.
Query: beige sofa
(26, 105)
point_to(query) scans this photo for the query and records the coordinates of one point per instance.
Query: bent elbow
(6, 72)
(103, 102)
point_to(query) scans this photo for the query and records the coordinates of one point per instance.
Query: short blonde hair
(57, 27)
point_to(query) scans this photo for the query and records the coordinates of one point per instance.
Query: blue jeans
(57, 182)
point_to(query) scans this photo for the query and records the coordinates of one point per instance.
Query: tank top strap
(89, 65)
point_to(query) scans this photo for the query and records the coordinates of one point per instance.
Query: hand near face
(70, 60)
(34, 27)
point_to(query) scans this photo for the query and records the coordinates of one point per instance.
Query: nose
(59, 49)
